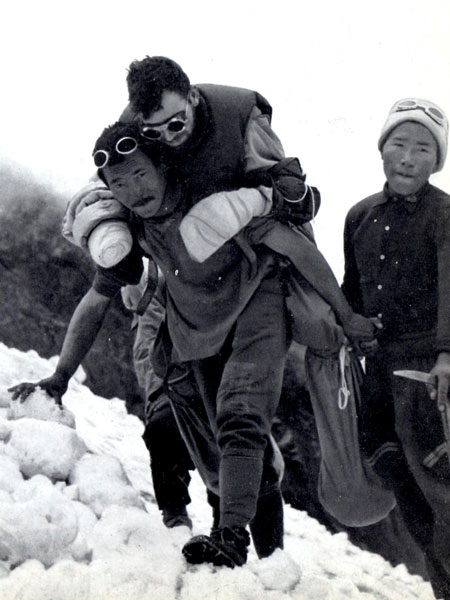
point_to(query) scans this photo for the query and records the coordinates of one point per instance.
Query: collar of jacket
(412, 200)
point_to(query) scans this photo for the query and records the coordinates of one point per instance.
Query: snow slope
(78, 520)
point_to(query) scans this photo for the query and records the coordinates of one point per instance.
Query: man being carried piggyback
(211, 136)
(397, 269)
(226, 316)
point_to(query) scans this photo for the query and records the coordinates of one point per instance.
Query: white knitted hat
(420, 111)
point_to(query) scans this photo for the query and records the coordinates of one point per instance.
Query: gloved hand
(361, 333)
(55, 386)
(293, 200)
(94, 191)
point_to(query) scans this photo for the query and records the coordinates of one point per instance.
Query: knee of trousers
(243, 431)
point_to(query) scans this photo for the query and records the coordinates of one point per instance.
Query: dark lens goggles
(126, 145)
(175, 124)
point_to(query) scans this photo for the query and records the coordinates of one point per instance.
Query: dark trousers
(267, 526)
(402, 434)
(241, 387)
(170, 461)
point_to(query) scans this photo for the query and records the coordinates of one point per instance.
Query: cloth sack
(348, 488)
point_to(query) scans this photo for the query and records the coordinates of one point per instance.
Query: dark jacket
(397, 264)
(213, 158)
(204, 300)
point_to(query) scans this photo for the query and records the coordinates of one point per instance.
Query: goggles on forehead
(126, 145)
(432, 111)
(175, 124)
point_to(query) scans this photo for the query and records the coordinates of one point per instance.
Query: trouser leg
(418, 518)
(267, 526)
(169, 459)
(241, 398)
(418, 475)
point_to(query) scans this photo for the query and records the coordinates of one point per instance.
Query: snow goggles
(126, 145)
(429, 109)
(175, 124)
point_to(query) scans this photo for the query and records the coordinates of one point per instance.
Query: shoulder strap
(150, 288)
(152, 276)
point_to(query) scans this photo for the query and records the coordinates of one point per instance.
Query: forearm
(316, 270)
(294, 201)
(263, 148)
(219, 217)
(310, 264)
(82, 331)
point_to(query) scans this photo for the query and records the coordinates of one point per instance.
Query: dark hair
(149, 78)
(110, 135)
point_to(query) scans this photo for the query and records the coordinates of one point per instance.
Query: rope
(344, 392)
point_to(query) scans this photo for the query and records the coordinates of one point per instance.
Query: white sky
(331, 71)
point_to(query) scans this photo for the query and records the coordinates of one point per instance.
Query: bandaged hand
(93, 192)
(217, 218)
(102, 228)
(110, 242)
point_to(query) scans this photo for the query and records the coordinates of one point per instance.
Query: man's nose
(407, 158)
(136, 190)
(169, 135)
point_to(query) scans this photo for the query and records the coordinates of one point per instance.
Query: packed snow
(78, 519)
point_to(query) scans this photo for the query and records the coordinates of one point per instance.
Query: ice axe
(443, 402)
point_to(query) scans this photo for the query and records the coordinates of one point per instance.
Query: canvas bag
(348, 488)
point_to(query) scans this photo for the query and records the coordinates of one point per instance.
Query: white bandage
(219, 217)
(110, 242)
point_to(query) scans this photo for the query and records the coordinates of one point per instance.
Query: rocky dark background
(43, 277)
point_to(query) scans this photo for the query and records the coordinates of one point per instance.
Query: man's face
(409, 158)
(137, 184)
(175, 111)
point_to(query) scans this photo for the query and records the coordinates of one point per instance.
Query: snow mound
(101, 481)
(54, 458)
(39, 405)
(41, 524)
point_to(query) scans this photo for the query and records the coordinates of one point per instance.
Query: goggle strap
(433, 112)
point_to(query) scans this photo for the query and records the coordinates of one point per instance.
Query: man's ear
(194, 96)
(435, 168)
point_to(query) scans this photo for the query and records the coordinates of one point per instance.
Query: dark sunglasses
(175, 124)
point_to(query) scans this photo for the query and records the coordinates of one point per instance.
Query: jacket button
(379, 286)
